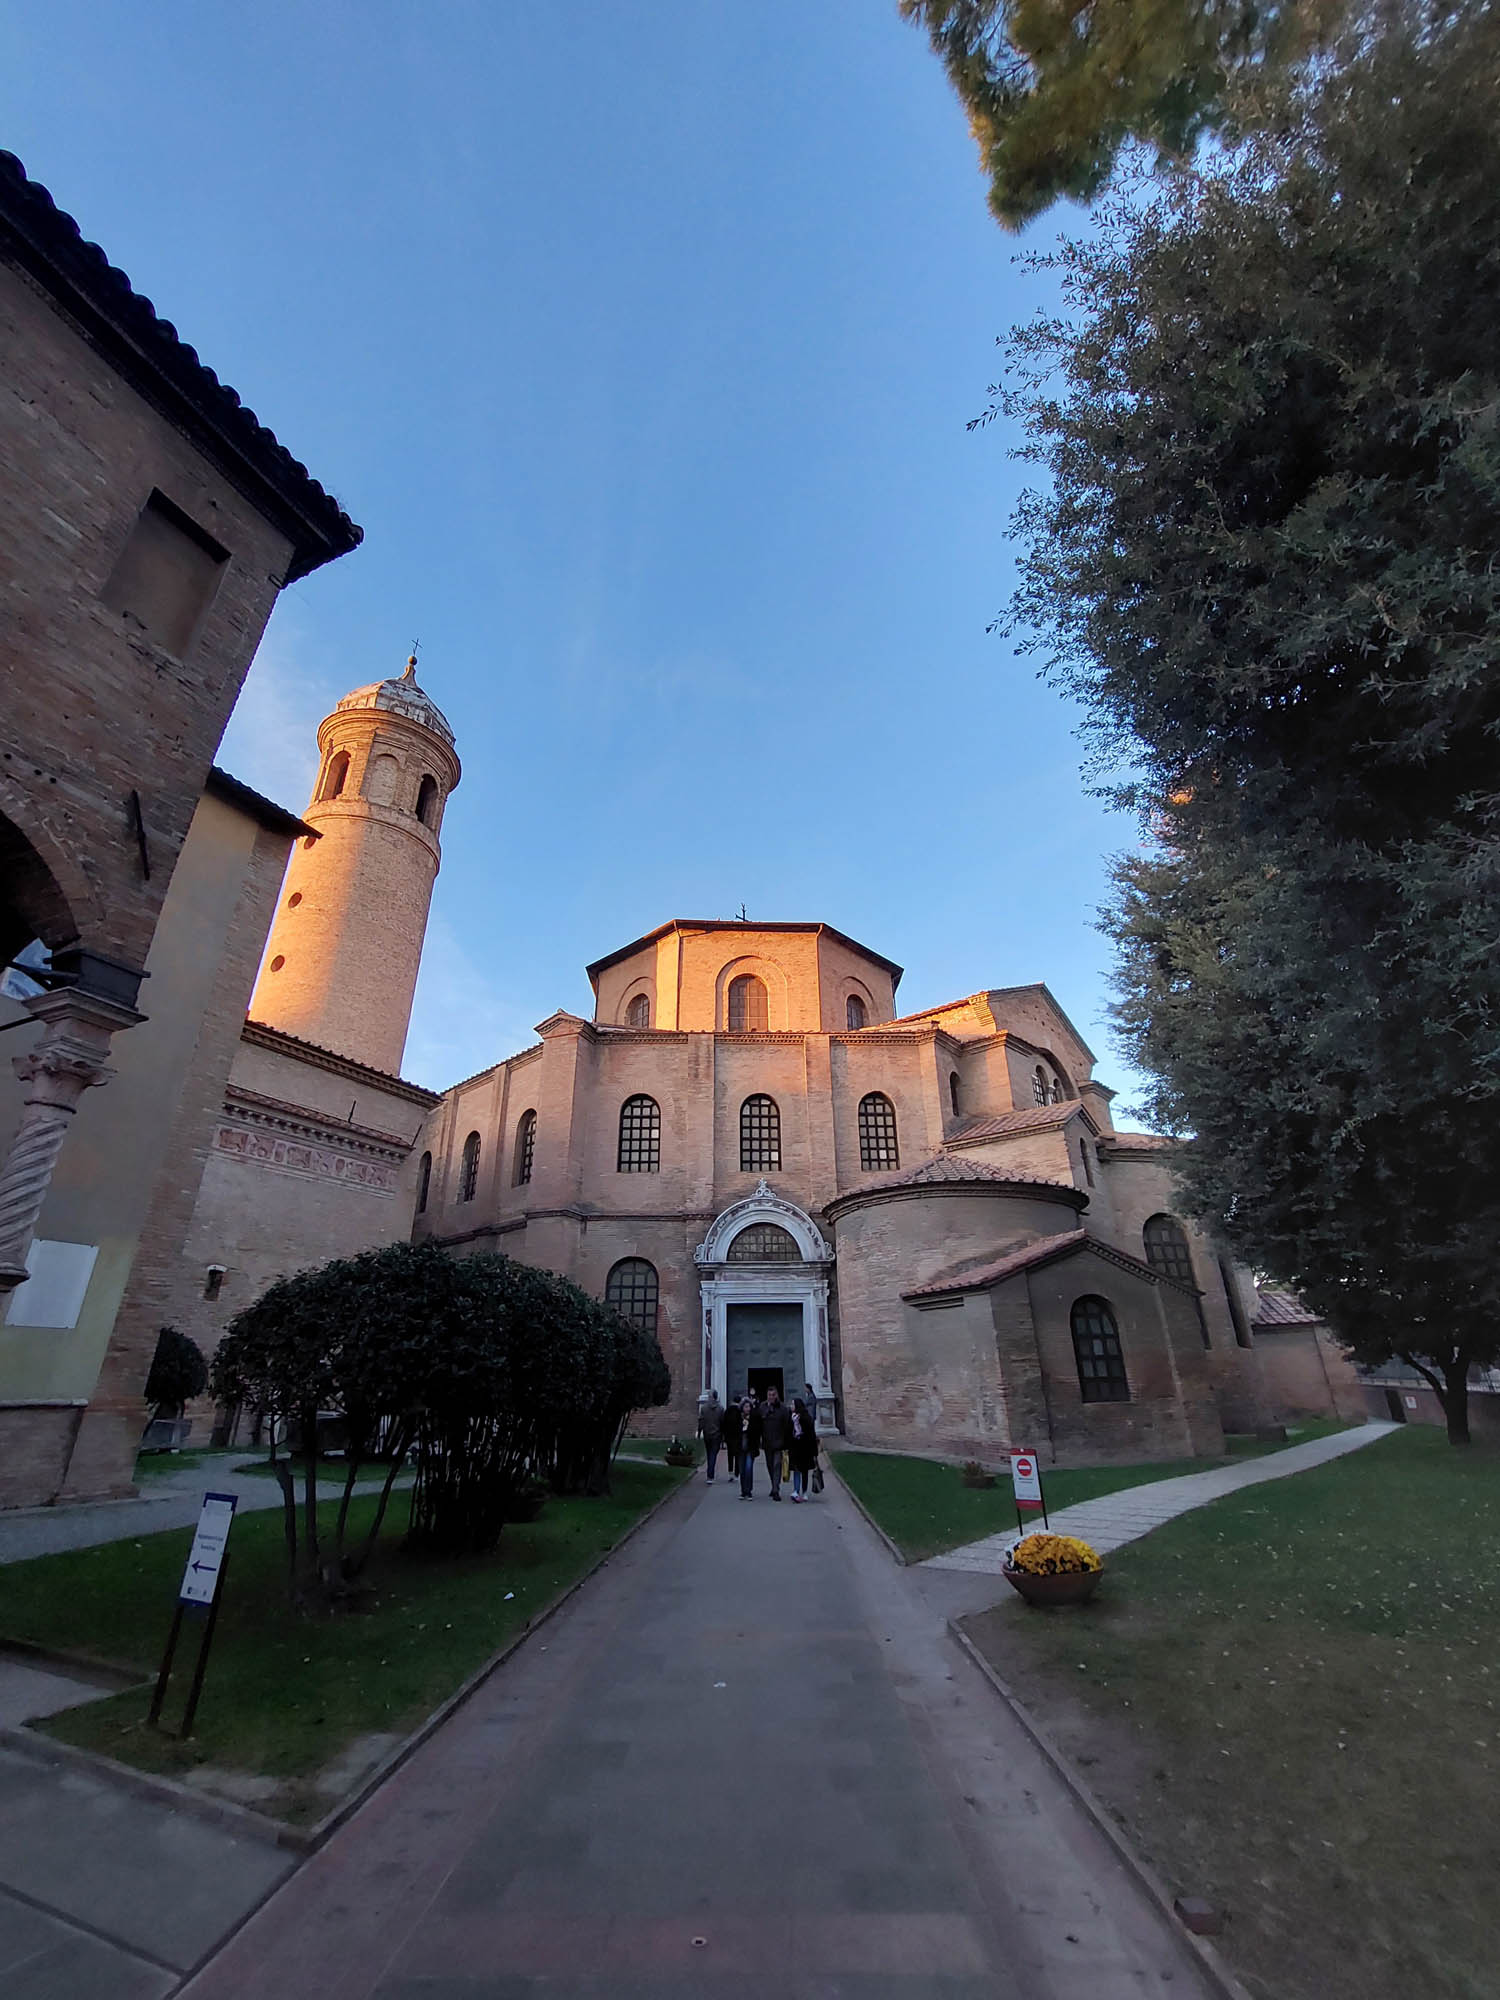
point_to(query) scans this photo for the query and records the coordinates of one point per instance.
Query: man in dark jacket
(733, 1425)
(711, 1430)
(776, 1435)
(749, 1447)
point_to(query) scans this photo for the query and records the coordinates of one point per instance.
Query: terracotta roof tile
(942, 1169)
(979, 1277)
(1277, 1308)
(1035, 1118)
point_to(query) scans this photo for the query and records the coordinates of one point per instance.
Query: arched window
(1166, 1246)
(525, 1147)
(1039, 1084)
(634, 1289)
(1096, 1343)
(468, 1176)
(640, 1136)
(638, 1013)
(854, 1011)
(336, 776)
(427, 801)
(953, 1090)
(760, 1136)
(877, 1133)
(764, 1243)
(1088, 1165)
(1057, 1093)
(748, 1008)
(424, 1183)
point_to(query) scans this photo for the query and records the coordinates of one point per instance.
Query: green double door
(763, 1345)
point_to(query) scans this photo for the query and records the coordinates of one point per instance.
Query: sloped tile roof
(1035, 1118)
(943, 1169)
(979, 1277)
(1277, 1308)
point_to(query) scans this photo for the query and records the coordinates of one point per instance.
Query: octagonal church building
(929, 1217)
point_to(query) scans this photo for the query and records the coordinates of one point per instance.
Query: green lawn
(285, 1695)
(1289, 1698)
(925, 1508)
(152, 1464)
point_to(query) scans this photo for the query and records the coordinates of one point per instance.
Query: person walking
(749, 1446)
(733, 1424)
(803, 1450)
(775, 1435)
(711, 1430)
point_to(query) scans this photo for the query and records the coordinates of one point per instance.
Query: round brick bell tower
(341, 961)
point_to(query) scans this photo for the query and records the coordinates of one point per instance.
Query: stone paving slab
(27, 1691)
(109, 1893)
(1116, 1518)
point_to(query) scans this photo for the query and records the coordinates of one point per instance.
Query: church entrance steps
(1118, 1518)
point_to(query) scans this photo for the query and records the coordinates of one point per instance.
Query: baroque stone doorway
(766, 1257)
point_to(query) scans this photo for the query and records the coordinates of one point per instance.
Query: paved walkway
(167, 1500)
(746, 1755)
(1125, 1516)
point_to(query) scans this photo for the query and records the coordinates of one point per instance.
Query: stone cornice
(260, 1035)
(248, 1107)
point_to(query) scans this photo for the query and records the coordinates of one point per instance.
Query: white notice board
(1026, 1479)
(206, 1557)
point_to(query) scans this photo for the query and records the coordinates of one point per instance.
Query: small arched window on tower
(468, 1176)
(634, 1289)
(1039, 1084)
(640, 1136)
(878, 1152)
(953, 1090)
(383, 779)
(748, 1007)
(854, 1011)
(336, 776)
(1096, 1347)
(760, 1136)
(638, 1013)
(427, 801)
(424, 1183)
(525, 1147)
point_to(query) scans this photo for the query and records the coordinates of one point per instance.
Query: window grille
(877, 1133)
(634, 1289)
(468, 1179)
(1039, 1085)
(760, 1136)
(638, 1013)
(424, 1183)
(748, 1007)
(525, 1147)
(1167, 1250)
(854, 1011)
(640, 1136)
(764, 1243)
(1096, 1344)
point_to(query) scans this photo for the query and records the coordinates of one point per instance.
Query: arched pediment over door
(764, 1206)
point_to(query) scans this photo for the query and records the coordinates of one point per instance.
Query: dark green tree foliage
(178, 1372)
(494, 1375)
(1054, 89)
(1267, 568)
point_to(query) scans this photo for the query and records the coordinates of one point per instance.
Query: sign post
(201, 1588)
(1026, 1485)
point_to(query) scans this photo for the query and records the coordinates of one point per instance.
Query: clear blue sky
(640, 338)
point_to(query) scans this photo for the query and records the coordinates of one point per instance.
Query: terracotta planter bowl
(1075, 1586)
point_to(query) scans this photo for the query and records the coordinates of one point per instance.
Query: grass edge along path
(1290, 1701)
(296, 1711)
(925, 1508)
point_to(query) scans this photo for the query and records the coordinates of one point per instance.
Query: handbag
(817, 1479)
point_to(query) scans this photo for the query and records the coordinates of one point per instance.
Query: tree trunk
(1454, 1397)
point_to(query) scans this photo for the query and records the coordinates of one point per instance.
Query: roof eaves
(223, 786)
(147, 351)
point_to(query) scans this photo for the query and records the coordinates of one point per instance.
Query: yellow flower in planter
(1053, 1555)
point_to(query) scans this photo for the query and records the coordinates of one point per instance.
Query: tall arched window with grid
(878, 1151)
(525, 1147)
(1165, 1242)
(640, 1136)
(1096, 1347)
(634, 1289)
(424, 1183)
(638, 1013)
(854, 1012)
(749, 1008)
(760, 1136)
(1039, 1084)
(468, 1173)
